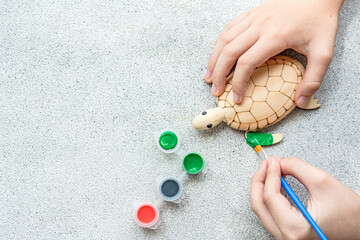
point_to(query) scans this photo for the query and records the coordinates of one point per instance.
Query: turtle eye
(204, 113)
(209, 125)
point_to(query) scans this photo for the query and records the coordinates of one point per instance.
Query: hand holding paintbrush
(334, 207)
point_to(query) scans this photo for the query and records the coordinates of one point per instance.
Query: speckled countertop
(83, 87)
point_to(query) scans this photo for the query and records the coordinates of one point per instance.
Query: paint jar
(193, 163)
(171, 189)
(146, 214)
(168, 141)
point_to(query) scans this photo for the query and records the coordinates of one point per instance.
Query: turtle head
(209, 118)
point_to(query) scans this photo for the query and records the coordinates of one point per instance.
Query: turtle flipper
(277, 137)
(312, 104)
(263, 139)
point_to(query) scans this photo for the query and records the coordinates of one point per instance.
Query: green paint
(255, 138)
(168, 140)
(193, 163)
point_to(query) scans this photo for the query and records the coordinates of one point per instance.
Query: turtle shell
(269, 96)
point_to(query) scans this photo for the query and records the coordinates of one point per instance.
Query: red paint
(146, 214)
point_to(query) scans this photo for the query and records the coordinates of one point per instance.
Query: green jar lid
(168, 140)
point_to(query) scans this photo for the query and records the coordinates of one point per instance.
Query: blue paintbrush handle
(301, 207)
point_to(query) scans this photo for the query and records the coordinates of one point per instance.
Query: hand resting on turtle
(251, 38)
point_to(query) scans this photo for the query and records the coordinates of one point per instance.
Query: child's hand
(308, 26)
(333, 206)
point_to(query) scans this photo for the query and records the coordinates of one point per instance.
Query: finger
(253, 57)
(236, 20)
(279, 207)
(224, 38)
(212, 61)
(311, 177)
(229, 54)
(257, 202)
(316, 68)
(236, 30)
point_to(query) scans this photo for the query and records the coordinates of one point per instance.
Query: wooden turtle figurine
(269, 97)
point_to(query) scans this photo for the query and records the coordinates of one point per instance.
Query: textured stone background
(83, 86)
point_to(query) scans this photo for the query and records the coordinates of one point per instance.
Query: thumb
(311, 177)
(314, 74)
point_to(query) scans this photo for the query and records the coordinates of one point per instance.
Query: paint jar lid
(193, 163)
(168, 140)
(147, 215)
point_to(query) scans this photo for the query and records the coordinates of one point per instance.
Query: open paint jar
(168, 141)
(193, 163)
(147, 215)
(171, 189)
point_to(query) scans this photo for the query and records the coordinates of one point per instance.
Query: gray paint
(170, 188)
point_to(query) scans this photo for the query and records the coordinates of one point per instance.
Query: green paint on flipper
(255, 138)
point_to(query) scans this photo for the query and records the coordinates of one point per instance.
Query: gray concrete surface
(83, 86)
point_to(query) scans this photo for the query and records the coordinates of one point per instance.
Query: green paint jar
(168, 141)
(193, 163)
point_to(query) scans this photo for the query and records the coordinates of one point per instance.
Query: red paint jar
(147, 215)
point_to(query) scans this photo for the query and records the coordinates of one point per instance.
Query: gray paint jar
(171, 189)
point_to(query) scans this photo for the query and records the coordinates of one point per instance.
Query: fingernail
(269, 160)
(236, 97)
(303, 101)
(213, 89)
(207, 74)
